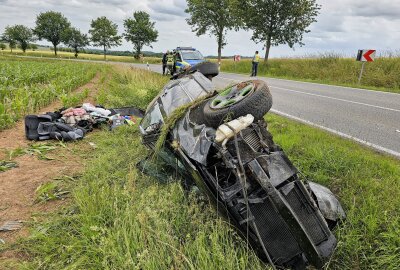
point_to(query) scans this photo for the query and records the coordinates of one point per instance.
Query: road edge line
(340, 134)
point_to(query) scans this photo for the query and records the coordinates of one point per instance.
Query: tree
(34, 47)
(276, 22)
(140, 31)
(104, 33)
(12, 45)
(9, 37)
(51, 26)
(213, 17)
(21, 34)
(74, 39)
(3, 46)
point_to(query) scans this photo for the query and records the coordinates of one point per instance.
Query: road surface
(369, 117)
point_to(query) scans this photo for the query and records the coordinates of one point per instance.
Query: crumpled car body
(287, 221)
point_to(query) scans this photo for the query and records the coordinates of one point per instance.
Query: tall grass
(123, 219)
(28, 85)
(367, 183)
(120, 218)
(330, 68)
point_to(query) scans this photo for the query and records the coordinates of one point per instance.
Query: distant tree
(74, 39)
(34, 47)
(213, 17)
(8, 37)
(12, 45)
(276, 22)
(3, 46)
(140, 31)
(51, 25)
(104, 33)
(21, 34)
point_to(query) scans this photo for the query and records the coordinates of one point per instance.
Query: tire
(254, 98)
(208, 69)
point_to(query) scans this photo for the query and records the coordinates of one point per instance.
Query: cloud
(343, 25)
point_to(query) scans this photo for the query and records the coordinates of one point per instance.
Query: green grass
(381, 75)
(367, 184)
(328, 68)
(119, 218)
(83, 56)
(26, 85)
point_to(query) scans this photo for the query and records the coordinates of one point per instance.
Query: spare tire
(250, 97)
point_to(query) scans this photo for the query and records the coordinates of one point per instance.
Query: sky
(343, 26)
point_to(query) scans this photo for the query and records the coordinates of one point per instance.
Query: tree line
(272, 22)
(55, 28)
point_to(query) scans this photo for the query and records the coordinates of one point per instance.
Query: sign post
(364, 56)
(236, 58)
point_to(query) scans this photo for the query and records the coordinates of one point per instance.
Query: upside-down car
(222, 144)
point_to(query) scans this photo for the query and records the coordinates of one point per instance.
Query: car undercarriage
(222, 145)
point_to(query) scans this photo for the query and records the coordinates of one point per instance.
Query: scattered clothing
(71, 124)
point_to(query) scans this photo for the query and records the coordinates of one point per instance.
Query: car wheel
(251, 97)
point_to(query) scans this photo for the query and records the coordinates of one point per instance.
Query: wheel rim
(231, 96)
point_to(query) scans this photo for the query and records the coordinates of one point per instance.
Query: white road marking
(321, 84)
(323, 96)
(339, 99)
(341, 134)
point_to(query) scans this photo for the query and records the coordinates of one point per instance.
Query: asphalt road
(369, 117)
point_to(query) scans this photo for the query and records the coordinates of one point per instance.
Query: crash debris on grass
(71, 124)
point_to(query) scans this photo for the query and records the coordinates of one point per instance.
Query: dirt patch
(18, 185)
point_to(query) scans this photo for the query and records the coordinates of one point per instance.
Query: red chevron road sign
(366, 55)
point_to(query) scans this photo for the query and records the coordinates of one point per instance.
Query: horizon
(342, 27)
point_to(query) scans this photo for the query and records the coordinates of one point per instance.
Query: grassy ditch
(121, 219)
(381, 75)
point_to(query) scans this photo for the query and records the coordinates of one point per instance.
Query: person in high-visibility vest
(255, 61)
(164, 62)
(170, 62)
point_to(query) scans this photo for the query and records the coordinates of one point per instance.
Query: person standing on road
(170, 62)
(164, 62)
(255, 61)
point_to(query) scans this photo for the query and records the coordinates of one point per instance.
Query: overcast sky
(343, 25)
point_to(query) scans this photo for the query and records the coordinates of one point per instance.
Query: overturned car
(220, 141)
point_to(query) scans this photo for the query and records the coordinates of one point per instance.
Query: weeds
(50, 191)
(72, 100)
(121, 219)
(7, 165)
(37, 149)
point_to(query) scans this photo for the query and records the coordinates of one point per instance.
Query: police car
(187, 57)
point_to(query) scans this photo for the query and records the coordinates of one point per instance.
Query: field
(330, 68)
(382, 75)
(84, 56)
(28, 85)
(118, 218)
